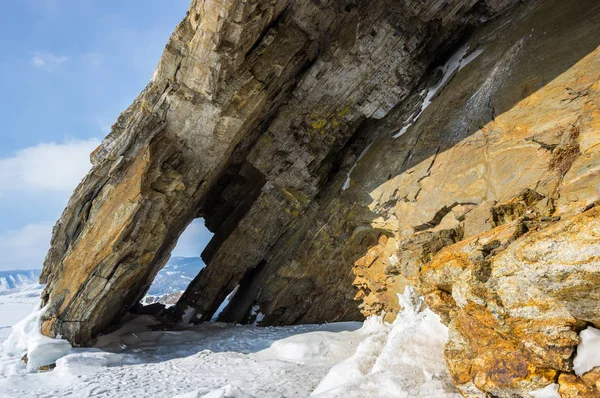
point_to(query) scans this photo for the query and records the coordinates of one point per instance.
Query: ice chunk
(404, 359)
(42, 350)
(588, 351)
(26, 338)
(88, 360)
(258, 316)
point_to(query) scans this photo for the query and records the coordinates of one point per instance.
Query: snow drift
(404, 359)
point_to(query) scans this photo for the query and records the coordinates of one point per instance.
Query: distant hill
(18, 279)
(176, 275)
(172, 280)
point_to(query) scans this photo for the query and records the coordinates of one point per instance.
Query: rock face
(340, 150)
(244, 123)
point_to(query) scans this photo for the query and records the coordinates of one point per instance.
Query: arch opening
(183, 266)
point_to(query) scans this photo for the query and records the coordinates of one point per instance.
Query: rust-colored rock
(587, 386)
(305, 134)
(512, 318)
(515, 314)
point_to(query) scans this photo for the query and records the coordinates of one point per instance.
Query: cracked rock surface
(340, 150)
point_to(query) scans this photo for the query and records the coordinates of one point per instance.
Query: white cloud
(47, 167)
(26, 247)
(30, 173)
(48, 61)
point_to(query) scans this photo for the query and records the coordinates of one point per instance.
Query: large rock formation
(342, 149)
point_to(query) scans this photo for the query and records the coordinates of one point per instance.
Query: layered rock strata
(496, 222)
(340, 150)
(243, 123)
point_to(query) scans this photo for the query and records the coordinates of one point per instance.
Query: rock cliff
(340, 150)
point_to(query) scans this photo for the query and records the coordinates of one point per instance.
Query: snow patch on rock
(404, 359)
(224, 304)
(458, 61)
(348, 180)
(588, 351)
(550, 391)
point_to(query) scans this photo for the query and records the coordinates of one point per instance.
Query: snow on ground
(137, 362)
(374, 359)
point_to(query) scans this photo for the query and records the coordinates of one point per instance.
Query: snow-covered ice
(370, 359)
(588, 351)
(227, 391)
(135, 361)
(27, 338)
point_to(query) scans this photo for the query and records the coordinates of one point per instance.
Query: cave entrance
(183, 266)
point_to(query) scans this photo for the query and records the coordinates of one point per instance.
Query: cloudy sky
(67, 69)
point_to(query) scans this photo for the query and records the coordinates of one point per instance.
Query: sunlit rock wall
(340, 150)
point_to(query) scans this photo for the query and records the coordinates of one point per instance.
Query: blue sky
(67, 69)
